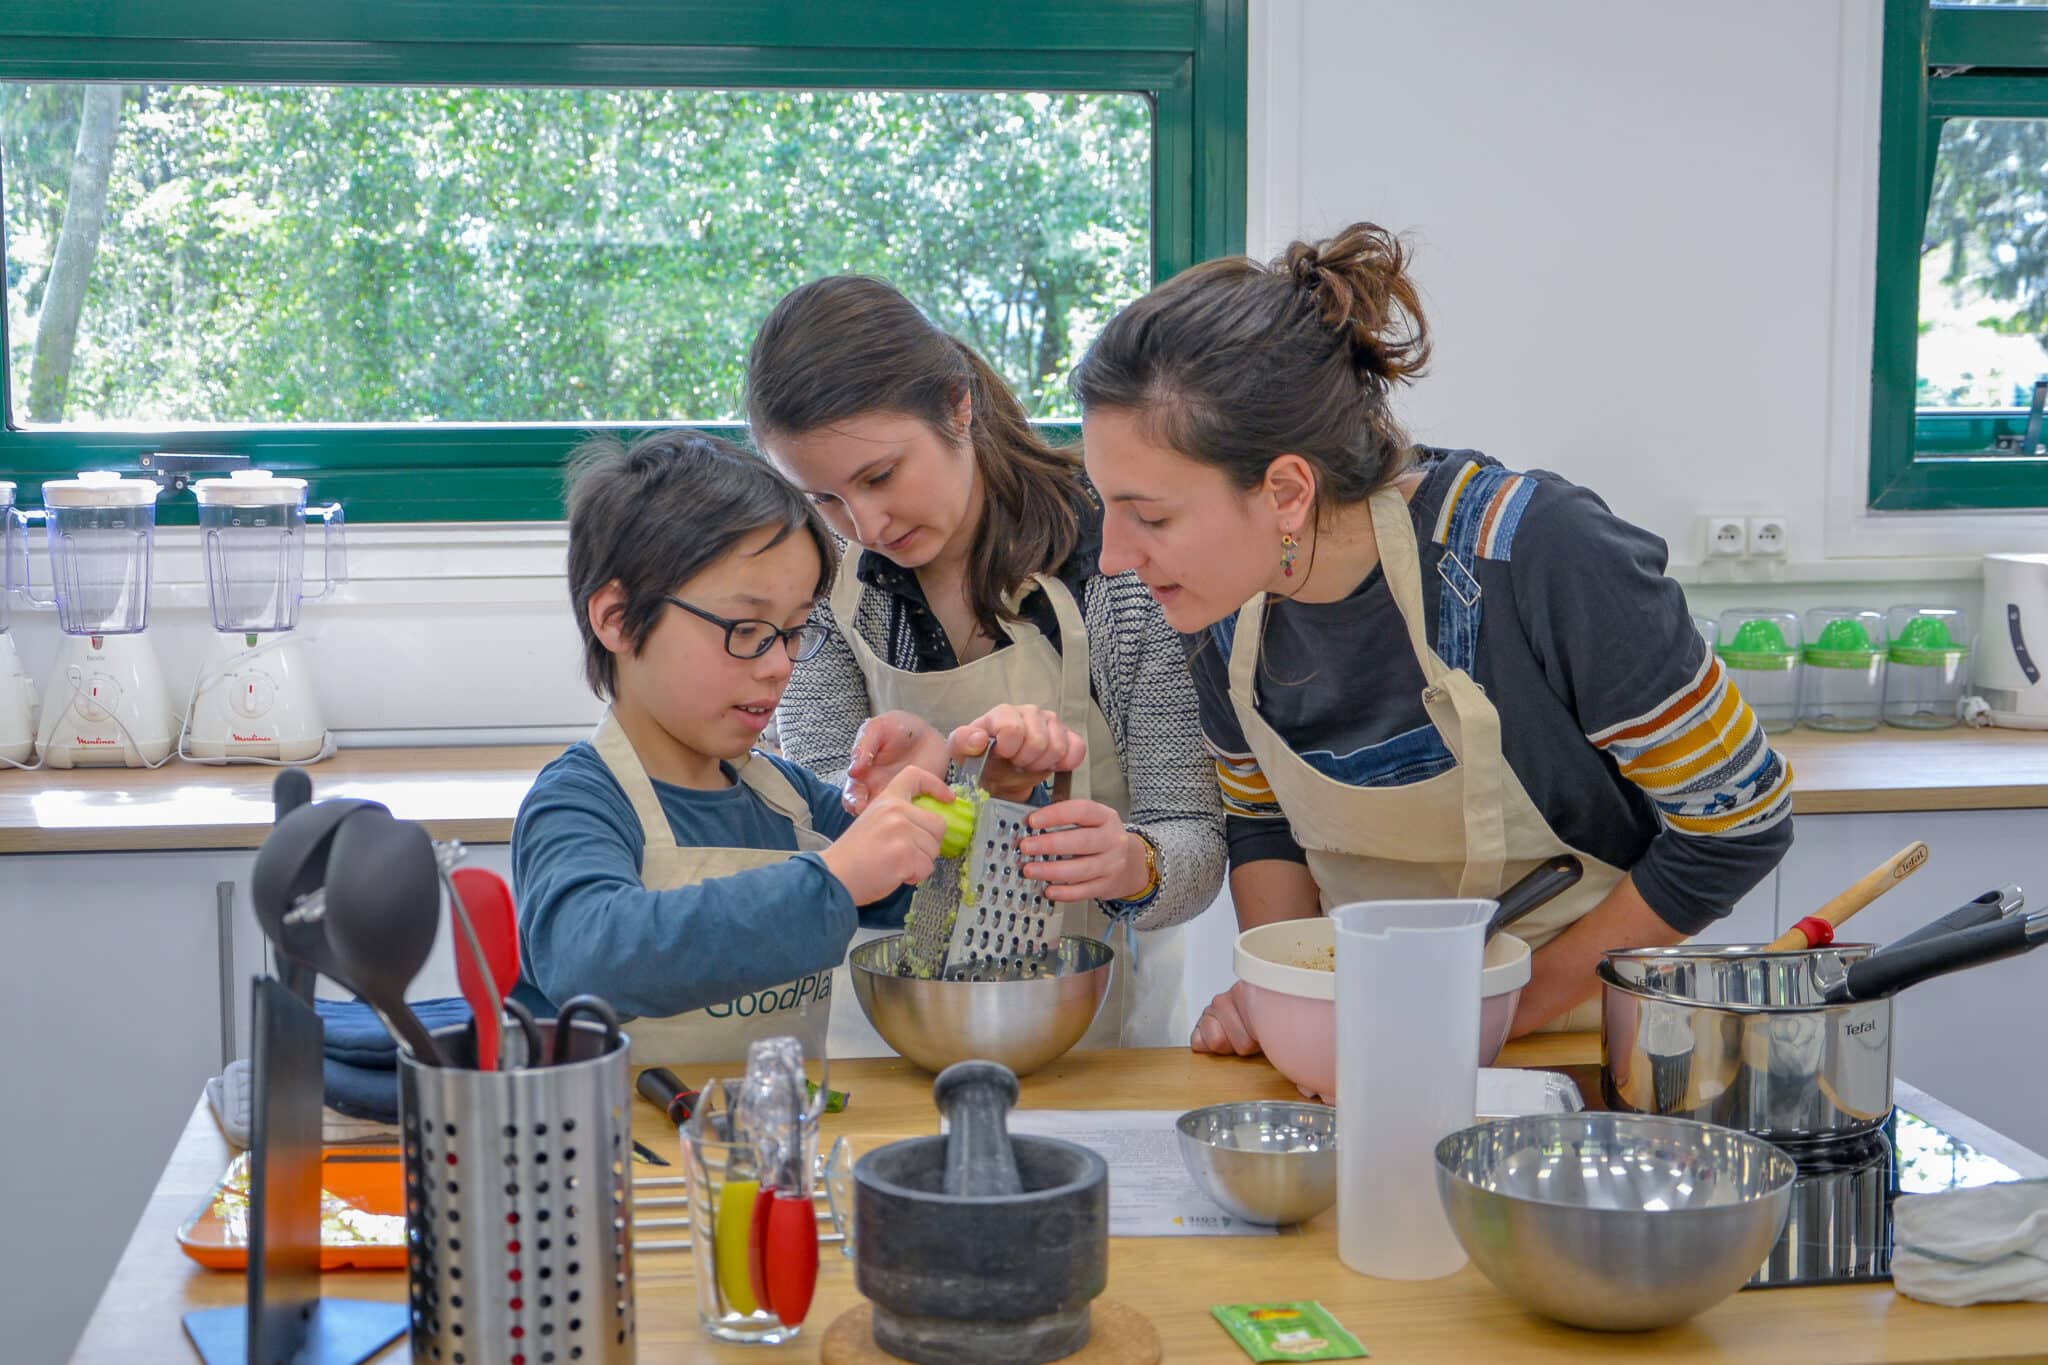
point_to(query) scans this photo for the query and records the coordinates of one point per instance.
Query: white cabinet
(111, 994)
(1974, 1039)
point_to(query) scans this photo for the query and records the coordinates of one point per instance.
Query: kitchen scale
(105, 704)
(254, 699)
(1840, 1227)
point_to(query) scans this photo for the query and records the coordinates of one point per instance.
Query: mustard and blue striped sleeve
(1618, 643)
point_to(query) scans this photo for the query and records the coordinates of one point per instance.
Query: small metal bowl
(1618, 1222)
(1022, 1023)
(1265, 1161)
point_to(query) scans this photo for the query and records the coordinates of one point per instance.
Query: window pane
(1984, 266)
(184, 254)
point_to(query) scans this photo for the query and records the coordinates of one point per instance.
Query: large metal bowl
(1618, 1222)
(1021, 1023)
(1265, 1161)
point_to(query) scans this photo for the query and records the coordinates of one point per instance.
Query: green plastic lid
(1925, 640)
(1843, 643)
(1758, 645)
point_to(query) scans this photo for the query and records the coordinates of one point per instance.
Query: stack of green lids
(1759, 647)
(1925, 641)
(1843, 643)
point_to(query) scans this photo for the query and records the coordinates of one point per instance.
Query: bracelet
(1151, 889)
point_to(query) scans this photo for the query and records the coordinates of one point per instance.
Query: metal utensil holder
(518, 1196)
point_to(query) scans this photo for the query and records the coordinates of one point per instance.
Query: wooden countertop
(473, 794)
(1172, 1280)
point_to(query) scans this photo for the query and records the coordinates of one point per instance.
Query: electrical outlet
(1727, 537)
(1767, 536)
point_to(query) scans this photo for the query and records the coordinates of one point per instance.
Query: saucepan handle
(1892, 971)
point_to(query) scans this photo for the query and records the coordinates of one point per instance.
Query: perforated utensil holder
(518, 1190)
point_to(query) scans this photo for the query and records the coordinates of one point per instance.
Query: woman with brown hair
(1420, 673)
(975, 585)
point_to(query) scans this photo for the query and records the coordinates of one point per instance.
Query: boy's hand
(886, 745)
(892, 843)
(1031, 745)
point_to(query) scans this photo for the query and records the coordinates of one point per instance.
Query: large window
(415, 256)
(1961, 362)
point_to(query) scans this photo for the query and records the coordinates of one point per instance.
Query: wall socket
(1767, 537)
(1727, 537)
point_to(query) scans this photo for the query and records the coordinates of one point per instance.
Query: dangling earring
(1287, 544)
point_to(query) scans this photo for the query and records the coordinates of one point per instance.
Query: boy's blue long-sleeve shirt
(587, 924)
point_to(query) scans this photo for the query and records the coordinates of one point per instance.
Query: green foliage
(375, 254)
(1989, 202)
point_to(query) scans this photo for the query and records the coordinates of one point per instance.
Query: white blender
(254, 701)
(105, 705)
(17, 693)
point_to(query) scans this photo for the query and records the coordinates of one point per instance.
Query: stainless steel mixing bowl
(1266, 1161)
(1618, 1222)
(1022, 1023)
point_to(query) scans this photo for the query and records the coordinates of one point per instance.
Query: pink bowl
(1293, 1004)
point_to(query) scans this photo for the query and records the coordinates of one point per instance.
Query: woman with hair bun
(1420, 673)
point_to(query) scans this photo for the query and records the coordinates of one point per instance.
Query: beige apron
(717, 1033)
(1145, 1007)
(1470, 831)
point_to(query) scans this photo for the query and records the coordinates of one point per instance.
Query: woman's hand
(1031, 744)
(893, 843)
(885, 746)
(1225, 1027)
(1098, 858)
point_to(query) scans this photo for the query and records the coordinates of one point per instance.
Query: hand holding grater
(978, 917)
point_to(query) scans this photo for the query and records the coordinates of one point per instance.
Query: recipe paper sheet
(1151, 1193)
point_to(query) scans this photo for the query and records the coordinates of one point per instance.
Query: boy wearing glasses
(665, 864)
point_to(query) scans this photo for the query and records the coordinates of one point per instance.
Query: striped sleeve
(1703, 759)
(1246, 793)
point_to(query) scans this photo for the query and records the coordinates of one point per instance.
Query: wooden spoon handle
(1817, 929)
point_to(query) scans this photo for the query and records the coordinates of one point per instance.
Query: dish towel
(1983, 1245)
(358, 1072)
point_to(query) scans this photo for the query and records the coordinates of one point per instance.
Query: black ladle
(292, 864)
(1545, 883)
(383, 912)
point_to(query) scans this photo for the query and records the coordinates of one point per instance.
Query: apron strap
(1477, 741)
(773, 786)
(1074, 699)
(618, 754)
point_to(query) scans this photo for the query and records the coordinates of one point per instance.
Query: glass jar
(1841, 683)
(1709, 632)
(1927, 667)
(1760, 649)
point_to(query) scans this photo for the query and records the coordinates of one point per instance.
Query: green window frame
(1186, 56)
(1941, 62)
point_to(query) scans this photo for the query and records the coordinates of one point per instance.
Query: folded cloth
(232, 1096)
(1509, 1092)
(1983, 1245)
(352, 1032)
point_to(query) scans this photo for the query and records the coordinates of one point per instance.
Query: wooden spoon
(1817, 930)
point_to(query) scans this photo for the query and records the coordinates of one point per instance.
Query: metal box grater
(1003, 926)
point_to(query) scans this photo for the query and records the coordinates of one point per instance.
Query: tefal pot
(1795, 1047)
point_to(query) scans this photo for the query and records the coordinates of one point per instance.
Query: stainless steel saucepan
(1791, 1046)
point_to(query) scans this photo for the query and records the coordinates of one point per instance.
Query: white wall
(1646, 237)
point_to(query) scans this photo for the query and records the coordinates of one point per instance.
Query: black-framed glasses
(750, 639)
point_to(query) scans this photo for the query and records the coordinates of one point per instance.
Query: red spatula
(489, 903)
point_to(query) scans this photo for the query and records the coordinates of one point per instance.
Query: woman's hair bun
(1362, 291)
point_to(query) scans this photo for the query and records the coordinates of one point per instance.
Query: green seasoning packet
(1288, 1331)
(835, 1100)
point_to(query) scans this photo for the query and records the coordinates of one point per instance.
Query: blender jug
(252, 528)
(99, 528)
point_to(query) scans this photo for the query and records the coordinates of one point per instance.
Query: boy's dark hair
(652, 515)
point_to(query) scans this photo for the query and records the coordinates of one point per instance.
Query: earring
(1287, 544)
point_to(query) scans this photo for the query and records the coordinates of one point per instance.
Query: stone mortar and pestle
(978, 1245)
